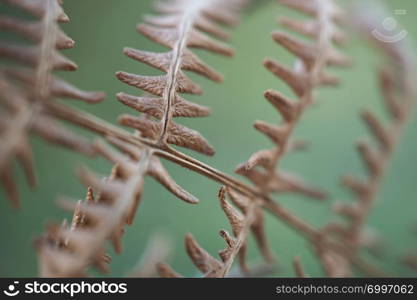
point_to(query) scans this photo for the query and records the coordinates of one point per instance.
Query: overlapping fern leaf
(119, 195)
(27, 84)
(399, 97)
(68, 250)
(180, 26)
(242, 219)
(309, 72)
(106, 215)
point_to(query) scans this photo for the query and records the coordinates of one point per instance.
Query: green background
(102, 28)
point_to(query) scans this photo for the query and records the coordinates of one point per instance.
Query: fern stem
(104, 128)
(190, 15)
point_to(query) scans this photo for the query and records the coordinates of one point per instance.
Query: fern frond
(399, 97)
(26, 90)
(128, 158)
(180, 26)
(104, 218)
(309, 72)
(245, 217)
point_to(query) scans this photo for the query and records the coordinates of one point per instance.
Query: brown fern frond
(242, 222)
(40, 8)
(119, 189)
(155, 168)
(155, 122)
(103, 219)
(118, 199)
(106, 129)
(56, 243)
(399, 93)
(180, 26)
(161, 150)
(309, 72)
(206, 263)
(26, 90)
(257, 227)
(99, 126)
(69, 250)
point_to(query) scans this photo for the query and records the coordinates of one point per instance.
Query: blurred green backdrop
(102, 28)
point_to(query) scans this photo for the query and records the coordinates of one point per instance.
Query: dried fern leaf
(112, 189)
(180, 26)
(178, 135)
(206, 263)
(103, 218)
(257, 227)
(33, 31)
(41, 8)
(36, 84)
(155, 168)
(58, 88)
(398, 97)
(236, 246)
(309, 73)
